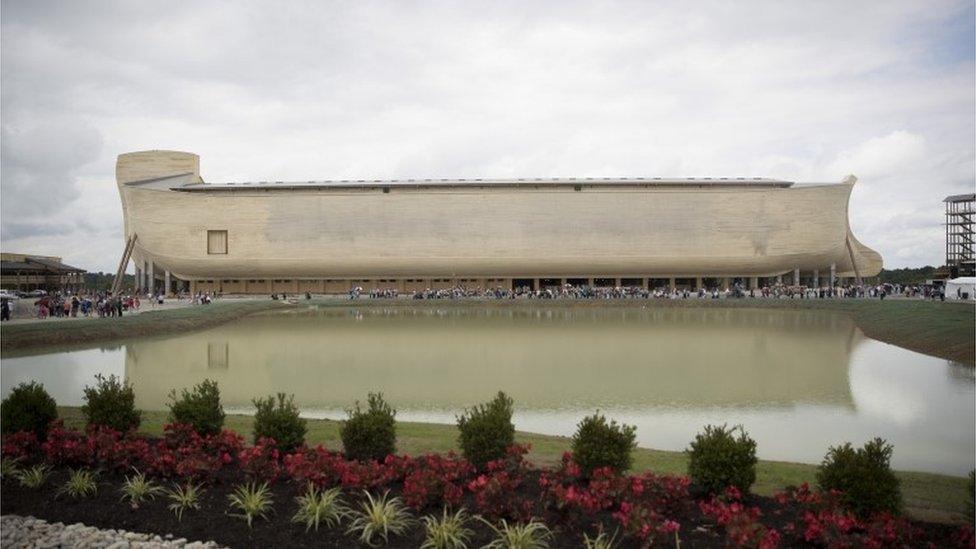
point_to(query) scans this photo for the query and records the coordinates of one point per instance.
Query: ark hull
(484, 231)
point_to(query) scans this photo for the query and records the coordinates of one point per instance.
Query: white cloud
(317, 90)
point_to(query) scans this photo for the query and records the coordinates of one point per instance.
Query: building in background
(959, 212)
(331, 236)
(25, 272)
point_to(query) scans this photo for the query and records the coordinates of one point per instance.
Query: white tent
(963, 287)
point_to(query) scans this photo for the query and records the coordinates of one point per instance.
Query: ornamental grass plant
(530, 535)
(251, 501)
(33, 477)
(81, 483)
(317, 507)
(449, 531)
(379, 517)
(138, 489)
(183, 498)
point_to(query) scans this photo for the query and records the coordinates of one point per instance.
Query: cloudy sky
(806, 91)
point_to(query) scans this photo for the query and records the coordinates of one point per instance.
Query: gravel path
(29, 532)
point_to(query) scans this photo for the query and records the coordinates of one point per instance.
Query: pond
(799, 381)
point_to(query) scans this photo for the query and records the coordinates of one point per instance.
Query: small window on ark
(217, 242)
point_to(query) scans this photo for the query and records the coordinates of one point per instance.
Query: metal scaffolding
(959, 213)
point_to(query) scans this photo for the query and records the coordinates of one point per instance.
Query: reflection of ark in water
(430, 358)
(329, 236)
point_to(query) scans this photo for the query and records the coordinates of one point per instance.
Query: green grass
(932, 497)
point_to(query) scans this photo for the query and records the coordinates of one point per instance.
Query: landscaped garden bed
(640, 508)
(200, 481)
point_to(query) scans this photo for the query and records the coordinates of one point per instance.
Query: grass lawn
(937, 498)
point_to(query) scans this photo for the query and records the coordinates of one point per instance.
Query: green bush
(278, 419)
(598, 443)
(971, 500)
(28, 408)
(199, 407)
(486, 430)
(371, 433)
(863, 476)
(111, 403)
(718, 459)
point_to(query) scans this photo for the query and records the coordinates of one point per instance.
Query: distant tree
(905, 276)
(103, 281)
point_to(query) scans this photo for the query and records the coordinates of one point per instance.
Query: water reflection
(799, 380)
(545, 358)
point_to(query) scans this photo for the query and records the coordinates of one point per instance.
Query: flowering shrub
(645, 523)
(741, 522)
(261, 461)
(823, 521)
(65, 446)
(20, 445)
(496, 490)
(643, 504)
(435, 480)
(964, 536)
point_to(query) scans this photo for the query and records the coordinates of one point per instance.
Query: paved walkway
(29, 532)
(24, 311)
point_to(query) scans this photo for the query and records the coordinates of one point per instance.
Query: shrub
(718, 459)
(598, 443)
(971, 500)
(111, 403)
(371, 433)
(278, 419)
(862, 476)
(28, 408)
(200, 408)
(380, 517)
(486, 430)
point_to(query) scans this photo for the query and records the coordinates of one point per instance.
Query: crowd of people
(98, 304)
(103, 304)
(737, 290)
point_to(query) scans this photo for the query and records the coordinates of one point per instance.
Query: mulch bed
(211, 521)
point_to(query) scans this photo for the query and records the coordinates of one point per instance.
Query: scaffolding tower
(960, 210)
